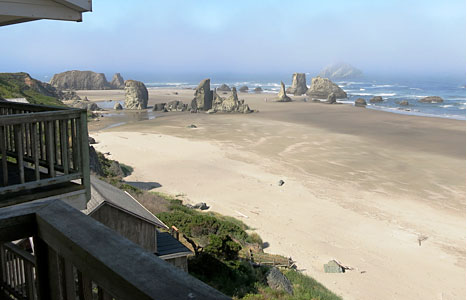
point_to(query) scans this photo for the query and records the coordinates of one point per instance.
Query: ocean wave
(165, 83)
(362, 89)
(418, 89)
(382, 85)
(386, 94)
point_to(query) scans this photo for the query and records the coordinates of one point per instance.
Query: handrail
(35, 107)
(67, 242)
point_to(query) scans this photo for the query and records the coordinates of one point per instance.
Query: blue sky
(244, 37)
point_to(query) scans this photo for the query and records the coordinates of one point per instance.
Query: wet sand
(361, 186)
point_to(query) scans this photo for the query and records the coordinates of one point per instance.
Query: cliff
(80, 80)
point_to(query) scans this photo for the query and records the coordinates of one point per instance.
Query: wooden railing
(42, 146)
(17, 276)
(79, 258)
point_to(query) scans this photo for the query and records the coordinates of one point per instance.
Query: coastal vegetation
(224, 247)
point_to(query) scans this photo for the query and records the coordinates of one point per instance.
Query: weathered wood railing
(17, 276)
(78, 257)
(42, 146)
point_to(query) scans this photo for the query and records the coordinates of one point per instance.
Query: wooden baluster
(76, 148)
(4, 155)
(29, 280)
(69, 280)
(49, 140)
(19, 151)
(84, 287)
(102, 294)
(35, 150)
(64, 144)
(41, 141)
(85, 153)
(56, 142)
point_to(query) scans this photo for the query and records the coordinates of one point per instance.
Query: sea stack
(117, 82)
(321, 88)
(80, 80)
(230, 104)
(282, 96)
(360, 102)
(203, 96)
(136, 95)
(298, 87)
(431, 99)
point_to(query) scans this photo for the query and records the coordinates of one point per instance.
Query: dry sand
(360, 186)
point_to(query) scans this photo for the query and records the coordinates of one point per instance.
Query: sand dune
(360, 186)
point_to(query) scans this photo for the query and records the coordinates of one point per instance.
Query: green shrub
(223, 247)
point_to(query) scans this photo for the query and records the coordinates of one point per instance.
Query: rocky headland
(80, 80)
(340, 71)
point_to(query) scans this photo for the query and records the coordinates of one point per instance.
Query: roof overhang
(19, 11)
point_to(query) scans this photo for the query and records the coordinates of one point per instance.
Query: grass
(13, 85)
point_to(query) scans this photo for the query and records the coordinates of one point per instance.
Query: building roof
(19, 11)
(170, 247)
(102, 192)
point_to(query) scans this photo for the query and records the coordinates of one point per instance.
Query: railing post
(83, 123)
(4, 155)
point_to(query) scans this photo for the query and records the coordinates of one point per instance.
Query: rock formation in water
(340, 71)
(258, 90)
(282, 96)
(376, 99)
(322, 87)
(298, 87)
(431, 99)
(243, 89)
(136, 95)
(117, 82)
(203, 96)
(80, 80)
(403, 103)
(230, 104)
(224, 88)
(360, 102)
(118, 106)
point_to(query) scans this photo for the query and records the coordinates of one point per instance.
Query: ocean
(392, 91)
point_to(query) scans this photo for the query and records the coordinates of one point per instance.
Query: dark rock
(322, 87)
(360, 102)
(158, 107)
(376, 99)
(281, 182)
(201, 206)
(118, 106)
(403, 102)
(91, 140)
(282, 96)
(243, 89)
(258, 90)
(80, 80)
(136, 95)
(277, 281)
(431, 99)
(117, 82)
(224, 88)
(298, 87)
(203, 96)
(192, 126)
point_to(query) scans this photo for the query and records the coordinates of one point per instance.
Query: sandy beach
(361, 186)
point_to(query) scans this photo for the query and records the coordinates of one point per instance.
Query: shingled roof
(102, 192)
(170, 247)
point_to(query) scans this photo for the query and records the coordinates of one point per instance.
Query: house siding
(127, 225)
(179, 262)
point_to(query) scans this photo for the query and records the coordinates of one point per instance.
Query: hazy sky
(416, 37)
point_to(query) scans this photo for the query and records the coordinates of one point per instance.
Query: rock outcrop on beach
(431, 99)
(360, 102)
(340, 71)
(282, 96)
(80, 80)
(403, 103)
(224, 88)
(230, 104)
(203, 96)
(118, 106)
(277, 281)
(243, 89)
(331, 99)
(376, 99)
(159, 107)
(258, 90)
(85, 104)
(136, 95)
(322, 87)
(117, 82)
(175, 105)
(298, 87)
